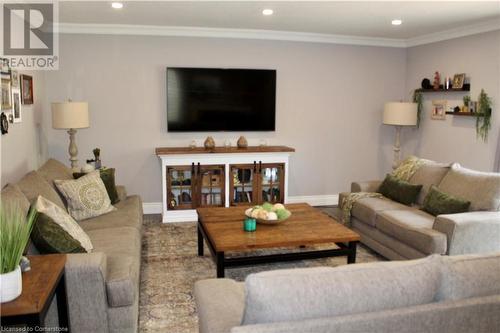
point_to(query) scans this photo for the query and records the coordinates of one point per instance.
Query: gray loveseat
(397, 231)
(102, 286)
(445, 294)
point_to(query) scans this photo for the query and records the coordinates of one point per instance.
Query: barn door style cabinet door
(221, 177)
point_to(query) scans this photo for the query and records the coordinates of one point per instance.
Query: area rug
(171, 266)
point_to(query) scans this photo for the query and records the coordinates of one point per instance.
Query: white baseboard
(313, 200)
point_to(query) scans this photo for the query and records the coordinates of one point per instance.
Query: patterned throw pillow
(54, 231)
(108, 178)
(438, 202)
(86, 196)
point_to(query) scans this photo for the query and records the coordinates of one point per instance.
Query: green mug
(249, 224)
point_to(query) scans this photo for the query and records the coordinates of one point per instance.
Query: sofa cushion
(128, 213)
(299, 294)
(33, 185)
(220, 304)
(53, 169)
(86, 196)
(470, 276)
(437, 202)
(108, 178)
(431, 173)
(482, 189)
(399, 190)
(54, 231)
(11, 196)
(413, 227)
(366, 209)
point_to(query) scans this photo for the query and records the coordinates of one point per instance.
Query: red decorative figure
(437, 80)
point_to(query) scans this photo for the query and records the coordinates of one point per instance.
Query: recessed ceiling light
(117, 5)
(267, 12)
(396, 22)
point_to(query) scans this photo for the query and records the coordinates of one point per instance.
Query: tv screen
(216, 99)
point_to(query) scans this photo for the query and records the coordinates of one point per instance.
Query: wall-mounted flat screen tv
(217, 99)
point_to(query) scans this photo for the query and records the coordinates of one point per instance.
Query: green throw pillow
(399, 190)
(108, 178)
(437, 202)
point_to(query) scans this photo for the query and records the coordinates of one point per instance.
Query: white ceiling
(360, 19)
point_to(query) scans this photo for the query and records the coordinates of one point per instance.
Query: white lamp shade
(401, 114)
(66, 115)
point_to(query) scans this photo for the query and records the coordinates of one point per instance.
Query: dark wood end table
(44, 281)
(222, 230)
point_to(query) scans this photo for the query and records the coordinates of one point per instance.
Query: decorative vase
(242, 142)
(209, 143)
(12, 285)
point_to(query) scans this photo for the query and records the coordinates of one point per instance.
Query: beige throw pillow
(86, 196)
(56, 232)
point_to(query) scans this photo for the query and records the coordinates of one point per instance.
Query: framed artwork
(6, 94)
(458, 81)
(438, 110)
(14, 78)
(16, 105)
(26, 89)
(4, 66)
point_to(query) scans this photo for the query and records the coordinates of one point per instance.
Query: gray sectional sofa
(102, 286)
(445, 294)
(398, 232)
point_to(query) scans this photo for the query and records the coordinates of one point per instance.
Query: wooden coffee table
(222, 229)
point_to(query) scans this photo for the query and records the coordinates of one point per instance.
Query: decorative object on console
(399, 114)
(27, 89)
(458, 81)
(71, 116)
(16, 105)
(438, 110)
(15, 230)
(426, 84)
(437, 81)
(4, 123)
(227, 143)
(192, 144)
(483, 116)
(242, 142)
(209, 143)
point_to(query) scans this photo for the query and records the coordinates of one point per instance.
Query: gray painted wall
(454, 139)
(329, 104)
(24, 147)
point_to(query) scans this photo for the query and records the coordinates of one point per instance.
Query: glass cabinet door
(211, 188)
(271, 183)
(242, 184)
(180, 186)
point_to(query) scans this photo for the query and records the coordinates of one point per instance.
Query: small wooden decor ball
(209, 143)
(242, 142)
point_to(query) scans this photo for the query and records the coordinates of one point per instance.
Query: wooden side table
(44, 281)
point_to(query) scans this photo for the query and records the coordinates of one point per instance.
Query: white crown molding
(454, 33)
(150, 30)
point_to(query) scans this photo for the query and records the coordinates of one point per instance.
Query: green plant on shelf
(483, 116)
(418, 98)
(466, 100)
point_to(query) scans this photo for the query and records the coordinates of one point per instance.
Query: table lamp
(399, 114)
(71, 116)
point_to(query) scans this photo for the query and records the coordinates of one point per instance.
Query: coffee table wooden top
(38, 285)
(306, 226)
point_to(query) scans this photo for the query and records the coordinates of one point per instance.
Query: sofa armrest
(122, 192)
(472, 232)
(86, 291)
(366, 186)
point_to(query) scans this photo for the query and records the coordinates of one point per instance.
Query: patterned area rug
(170, 267)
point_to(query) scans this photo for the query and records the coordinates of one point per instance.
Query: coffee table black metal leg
(200, 241)
(351, 257)
(62, 304)
(219, 261)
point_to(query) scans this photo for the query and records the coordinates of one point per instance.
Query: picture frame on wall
(6, 93)
(458, 81)
(4, 66)
(438, 110)
(26, 89)
(16, 105)
(14, 78)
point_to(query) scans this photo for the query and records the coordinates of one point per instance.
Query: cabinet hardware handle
(192, 169)
(254, 166)
(260, 166)
(199, 168)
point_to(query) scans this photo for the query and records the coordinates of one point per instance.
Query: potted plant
(15, 230)
(483, 116)
(418, 98)
(466, 100)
